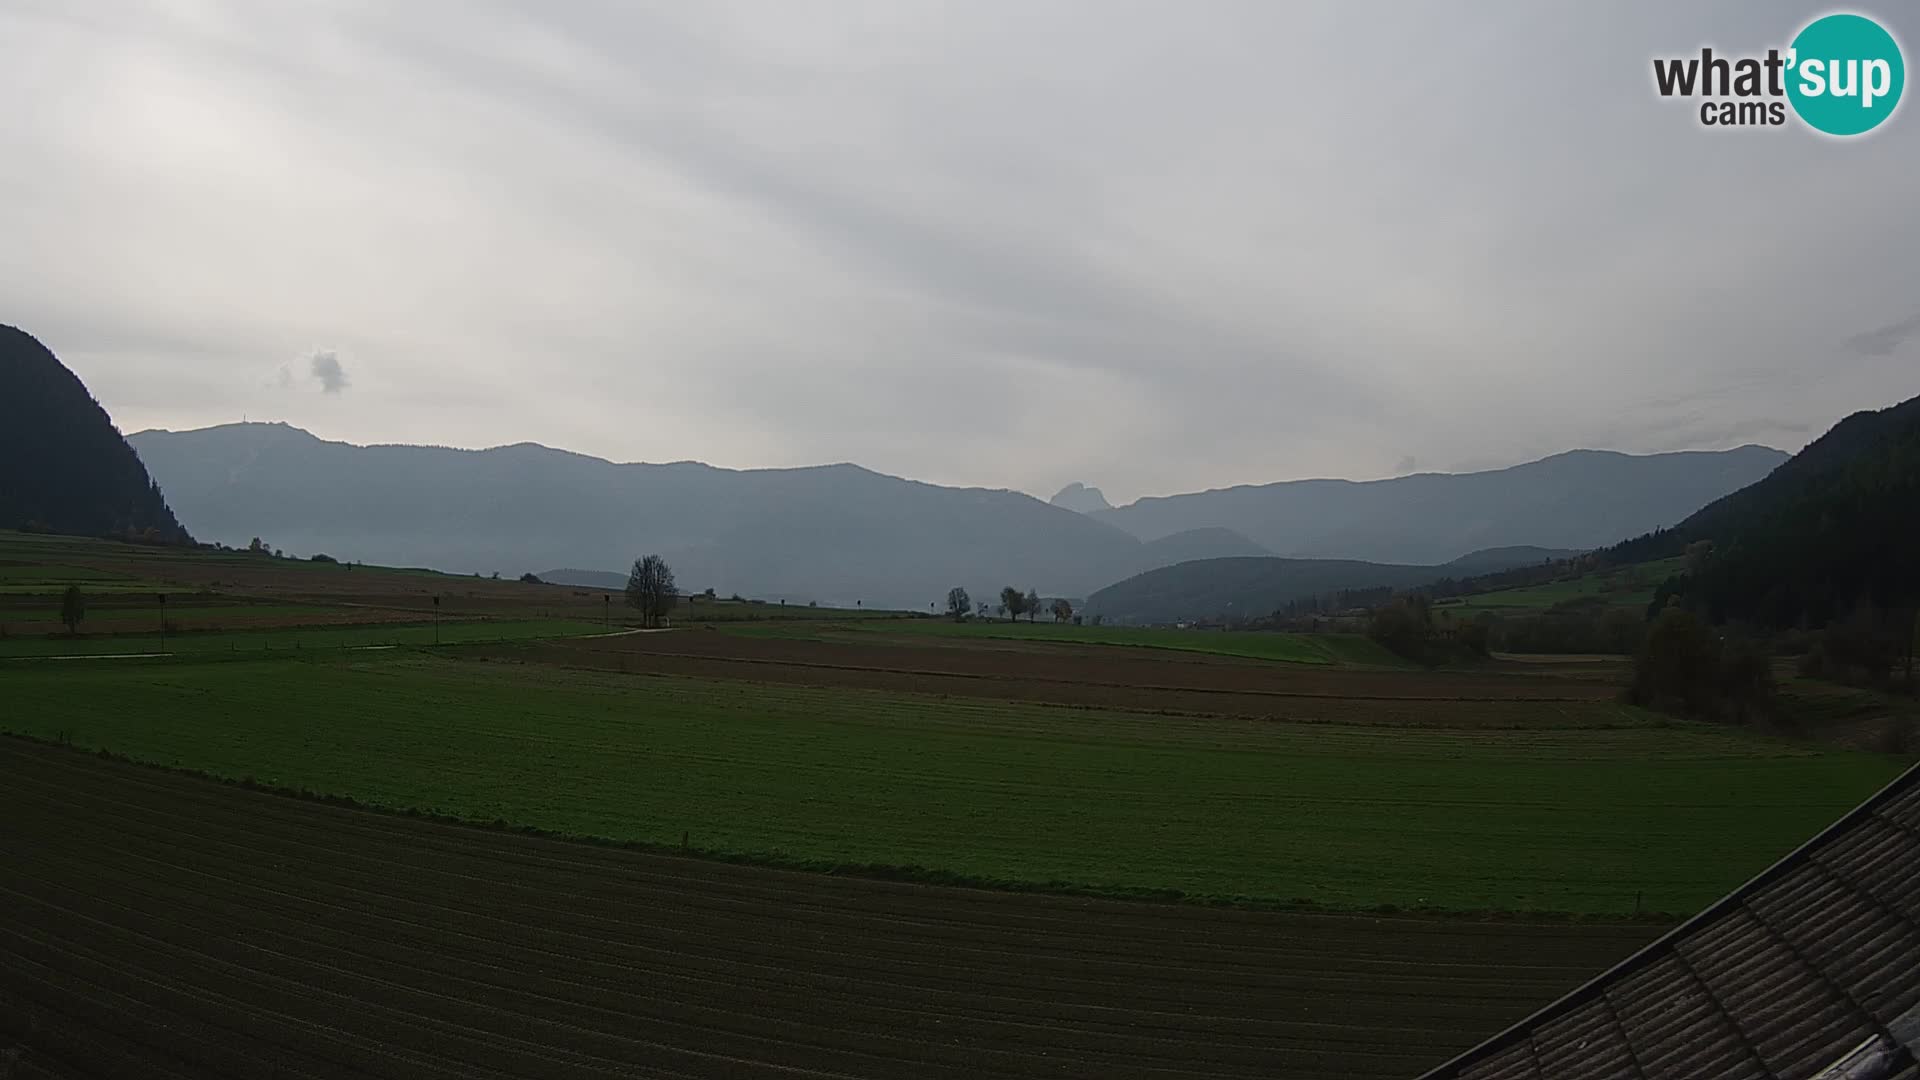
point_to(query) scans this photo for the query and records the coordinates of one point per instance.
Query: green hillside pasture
(369, 635)
(1579, 820)
(1630, 587)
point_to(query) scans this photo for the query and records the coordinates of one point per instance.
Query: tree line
(1013, 604)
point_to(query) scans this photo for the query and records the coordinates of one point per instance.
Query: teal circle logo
(1845, 74)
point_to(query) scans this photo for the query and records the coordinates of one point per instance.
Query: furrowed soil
(160, 925)
(359, 634)
(1145, 679)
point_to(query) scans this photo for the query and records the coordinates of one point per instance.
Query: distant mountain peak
(1080, 498)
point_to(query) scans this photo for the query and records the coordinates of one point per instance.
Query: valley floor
(784, 800)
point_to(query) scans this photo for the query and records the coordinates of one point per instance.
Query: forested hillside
(1833, 531)
(1238, 588)
(63, 465)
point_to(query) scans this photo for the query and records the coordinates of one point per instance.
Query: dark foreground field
(155, 924)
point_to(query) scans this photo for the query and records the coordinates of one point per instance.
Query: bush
(1901, 735)
(1864, 649)
(1402, 626)
(322, 558)
(1477, 636)
(531, 579)
(1745, 677)
(1676, 666)
(1686, 669)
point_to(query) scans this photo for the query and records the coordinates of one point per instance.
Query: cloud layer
(1151, 246)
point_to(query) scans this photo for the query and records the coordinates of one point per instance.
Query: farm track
(158, 924)
(1091, 676)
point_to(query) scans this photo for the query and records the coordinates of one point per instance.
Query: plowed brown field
(155, 924)
(1104, 676)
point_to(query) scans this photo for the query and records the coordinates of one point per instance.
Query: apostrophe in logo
(1846, 74)
(1842, 74)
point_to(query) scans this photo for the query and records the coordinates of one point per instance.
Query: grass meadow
(1573, 819)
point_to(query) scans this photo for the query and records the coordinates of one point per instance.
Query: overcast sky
(1154, 246)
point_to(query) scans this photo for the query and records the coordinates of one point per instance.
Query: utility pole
(606, 612)
(436, 620)
(163, 622)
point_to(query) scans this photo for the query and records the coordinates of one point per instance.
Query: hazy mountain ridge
(1080, 498)
(835, 533)
(63, 465)
(1207, 542)
(1581, 499)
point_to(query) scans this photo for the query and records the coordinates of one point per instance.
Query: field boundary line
(1152, 687)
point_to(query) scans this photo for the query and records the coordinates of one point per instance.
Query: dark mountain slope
(1581, 499)
(63, 465)
(1249, 587)
(1494, 560)
(1835, 527)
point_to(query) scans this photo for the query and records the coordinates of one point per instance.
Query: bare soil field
(157, 924)
(1102, 676)
(45, 564)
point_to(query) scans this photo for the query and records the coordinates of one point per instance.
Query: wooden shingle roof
(1811, 971)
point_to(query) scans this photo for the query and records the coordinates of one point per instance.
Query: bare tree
(1031, 605)
(650, 589)
(73, 608)
(1062, 610)
(1012, 602)
(958, 603)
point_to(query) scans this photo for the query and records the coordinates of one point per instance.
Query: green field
(298, 638)
(1249, 644)
(1577, 820)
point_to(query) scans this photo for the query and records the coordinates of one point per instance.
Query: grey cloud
(325, 365)
(1884, 341)
(984, 244)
